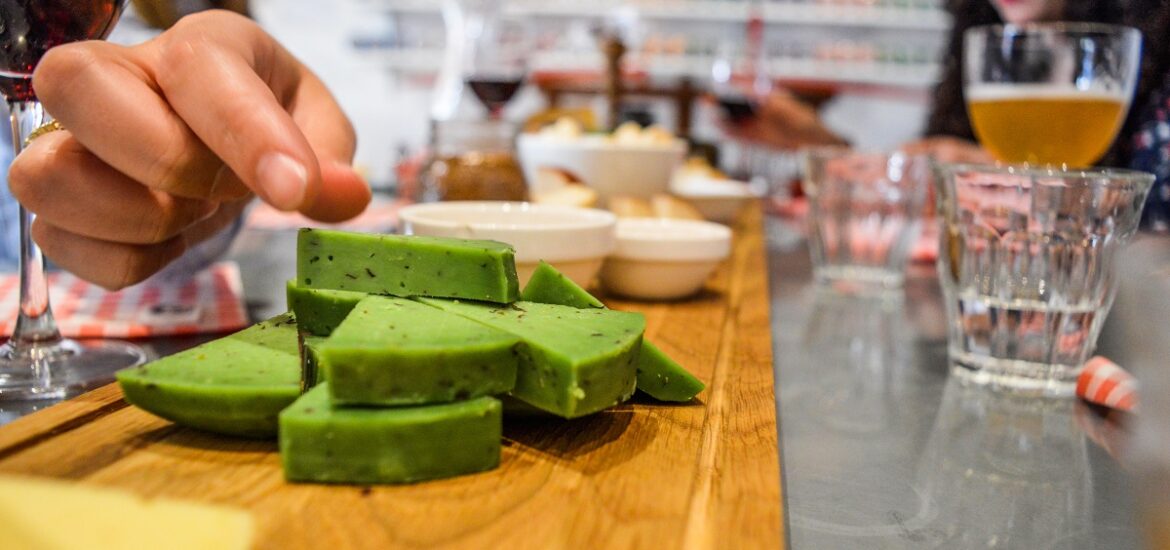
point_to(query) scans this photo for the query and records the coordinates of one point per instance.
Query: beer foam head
(1000, 92)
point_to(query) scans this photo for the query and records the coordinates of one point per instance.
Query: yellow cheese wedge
(40, 514)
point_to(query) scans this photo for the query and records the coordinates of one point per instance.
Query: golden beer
(1045, 125)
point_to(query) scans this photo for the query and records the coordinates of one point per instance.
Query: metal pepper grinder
(613, 48)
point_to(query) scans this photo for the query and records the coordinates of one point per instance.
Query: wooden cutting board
(641, 475)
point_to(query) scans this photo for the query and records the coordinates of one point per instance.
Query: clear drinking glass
(865, 211)
(1025, 261)
(37, 362)
(1053, 93)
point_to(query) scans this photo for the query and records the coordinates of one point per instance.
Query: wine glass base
(63, 370)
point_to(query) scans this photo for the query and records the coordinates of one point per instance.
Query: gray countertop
(881, 449)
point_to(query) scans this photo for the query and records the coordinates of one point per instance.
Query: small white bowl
(718, 200)
(608, 166)
(574, 240)
(664, 259)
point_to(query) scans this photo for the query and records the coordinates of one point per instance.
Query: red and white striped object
(1104, 383)
(210, 302)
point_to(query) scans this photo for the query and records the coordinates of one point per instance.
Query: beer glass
(1049, 93)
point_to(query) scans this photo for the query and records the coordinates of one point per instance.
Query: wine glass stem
(35, 327)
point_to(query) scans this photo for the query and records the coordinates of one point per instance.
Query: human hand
(783, 121)
(949, 150)
(168, 140)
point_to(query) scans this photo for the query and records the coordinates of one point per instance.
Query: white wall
(321, 34)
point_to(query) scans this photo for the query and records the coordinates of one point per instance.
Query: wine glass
(497, 57)
(739, 91)
(739, 83)
(732, 92)
(36, 362)
(1053, 93)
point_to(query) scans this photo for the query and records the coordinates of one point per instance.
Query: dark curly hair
(1152, 17)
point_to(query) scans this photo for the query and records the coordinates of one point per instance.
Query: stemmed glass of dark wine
(36, 362)
(497, 58)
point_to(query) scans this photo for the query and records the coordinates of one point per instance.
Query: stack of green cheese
(405, 345)
(405, 390)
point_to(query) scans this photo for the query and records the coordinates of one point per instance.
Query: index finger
(131, 128)
(252, 84)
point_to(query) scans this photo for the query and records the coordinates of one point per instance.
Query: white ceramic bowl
(664, 259)
(609, 167)
(574, 240)
(717, 200)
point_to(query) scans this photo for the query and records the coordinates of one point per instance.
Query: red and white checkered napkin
(212, 301)
(380, 215)
(1104, 383)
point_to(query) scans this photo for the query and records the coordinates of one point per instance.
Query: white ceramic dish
(718, 200)
(574, 240)
(664, 259)
(609, 167)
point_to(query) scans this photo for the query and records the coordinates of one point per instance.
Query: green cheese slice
(402, 265)
(573, 362)
(549, 286)
(277, 334)
(320, 310)
(236, 385)
(323, 443)
(659, 376)
(393, 351)
(663, 378)
(311, 374)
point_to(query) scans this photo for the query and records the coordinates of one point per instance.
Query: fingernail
(282, 181)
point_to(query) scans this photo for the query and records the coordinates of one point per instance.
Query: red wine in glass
(36, 362)
(494, 92)
(28, 28)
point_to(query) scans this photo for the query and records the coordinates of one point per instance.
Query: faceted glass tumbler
(865, 212)
(1026, 266)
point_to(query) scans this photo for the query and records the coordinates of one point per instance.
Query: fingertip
(343, 194)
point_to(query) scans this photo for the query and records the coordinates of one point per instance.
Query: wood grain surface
(641, 475)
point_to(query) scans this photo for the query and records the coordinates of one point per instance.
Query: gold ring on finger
(50, 126)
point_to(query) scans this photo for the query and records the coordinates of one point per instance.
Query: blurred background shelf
(900, 15)
(868, 65)
(844, 72)
(875, 42)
